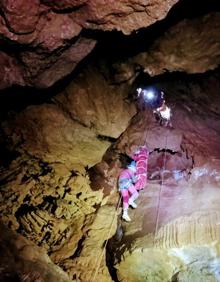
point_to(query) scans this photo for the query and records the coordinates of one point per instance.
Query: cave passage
(83, 85)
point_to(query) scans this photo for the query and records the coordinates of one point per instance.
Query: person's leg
(134, 196)
(125, 197)
(141, 183)
(138, 185)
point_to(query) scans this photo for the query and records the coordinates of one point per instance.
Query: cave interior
(70, 107)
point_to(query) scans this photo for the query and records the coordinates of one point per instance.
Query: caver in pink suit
(126, 182)
(141, 158)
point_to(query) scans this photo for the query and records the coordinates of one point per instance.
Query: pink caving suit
(141, 158)
(126, 187)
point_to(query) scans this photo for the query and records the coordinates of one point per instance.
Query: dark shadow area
(17, 98)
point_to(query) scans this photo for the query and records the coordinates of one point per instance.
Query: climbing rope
(99, 258)
(160, 191)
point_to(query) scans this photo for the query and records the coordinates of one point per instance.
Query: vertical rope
(99, 259)
(159, 197)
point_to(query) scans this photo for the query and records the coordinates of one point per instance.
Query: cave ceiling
(69, 108)
(43, 41)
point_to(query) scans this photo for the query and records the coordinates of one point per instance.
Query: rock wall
(42, 41)
(189, 46)
(45, 191)
(21, 260)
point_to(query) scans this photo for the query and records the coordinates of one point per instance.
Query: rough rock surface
(47, 195)
(90, 264)
(21, 260)
(177, 234)
(41, 41)
(47, 187)
(77, 126)
(125, 16)
(174, 233)
(190, 46)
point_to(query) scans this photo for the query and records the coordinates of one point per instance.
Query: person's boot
(132, 204)
(125, 215)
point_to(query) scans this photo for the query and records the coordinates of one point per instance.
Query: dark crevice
(79, 248)
(125, 46)
(106, 138)
(166, 164)
(110, 252)
(23, 210)
(68, 10)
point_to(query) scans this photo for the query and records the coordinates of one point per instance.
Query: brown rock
(64, 4)
(51, 135)
(191, 46)
(174, 230)
(125, 16)
(21, 16)
(38, 31)
(21, 260)
(51, 68)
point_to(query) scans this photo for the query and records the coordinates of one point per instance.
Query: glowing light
(149, 94)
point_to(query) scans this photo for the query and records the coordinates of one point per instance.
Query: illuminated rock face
(47, 187)
(46, 192)
(177, 238)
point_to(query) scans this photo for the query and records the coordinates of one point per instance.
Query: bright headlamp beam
(148, 95)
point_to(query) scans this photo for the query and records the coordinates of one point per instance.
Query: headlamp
(148, 95)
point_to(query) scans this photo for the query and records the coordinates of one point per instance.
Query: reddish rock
(7, 76)
(51, 68)
(64, 4)
(55, 31)
(123, 15)
(35, 28)
(190, 46)
(21, 15)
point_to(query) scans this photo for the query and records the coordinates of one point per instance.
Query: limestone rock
(190, 46)
(43, 36)
(94, 103)
(124, 16)
(52, 135)
(46, 206)
(21, 260)
(91, 265)
(177, 234)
